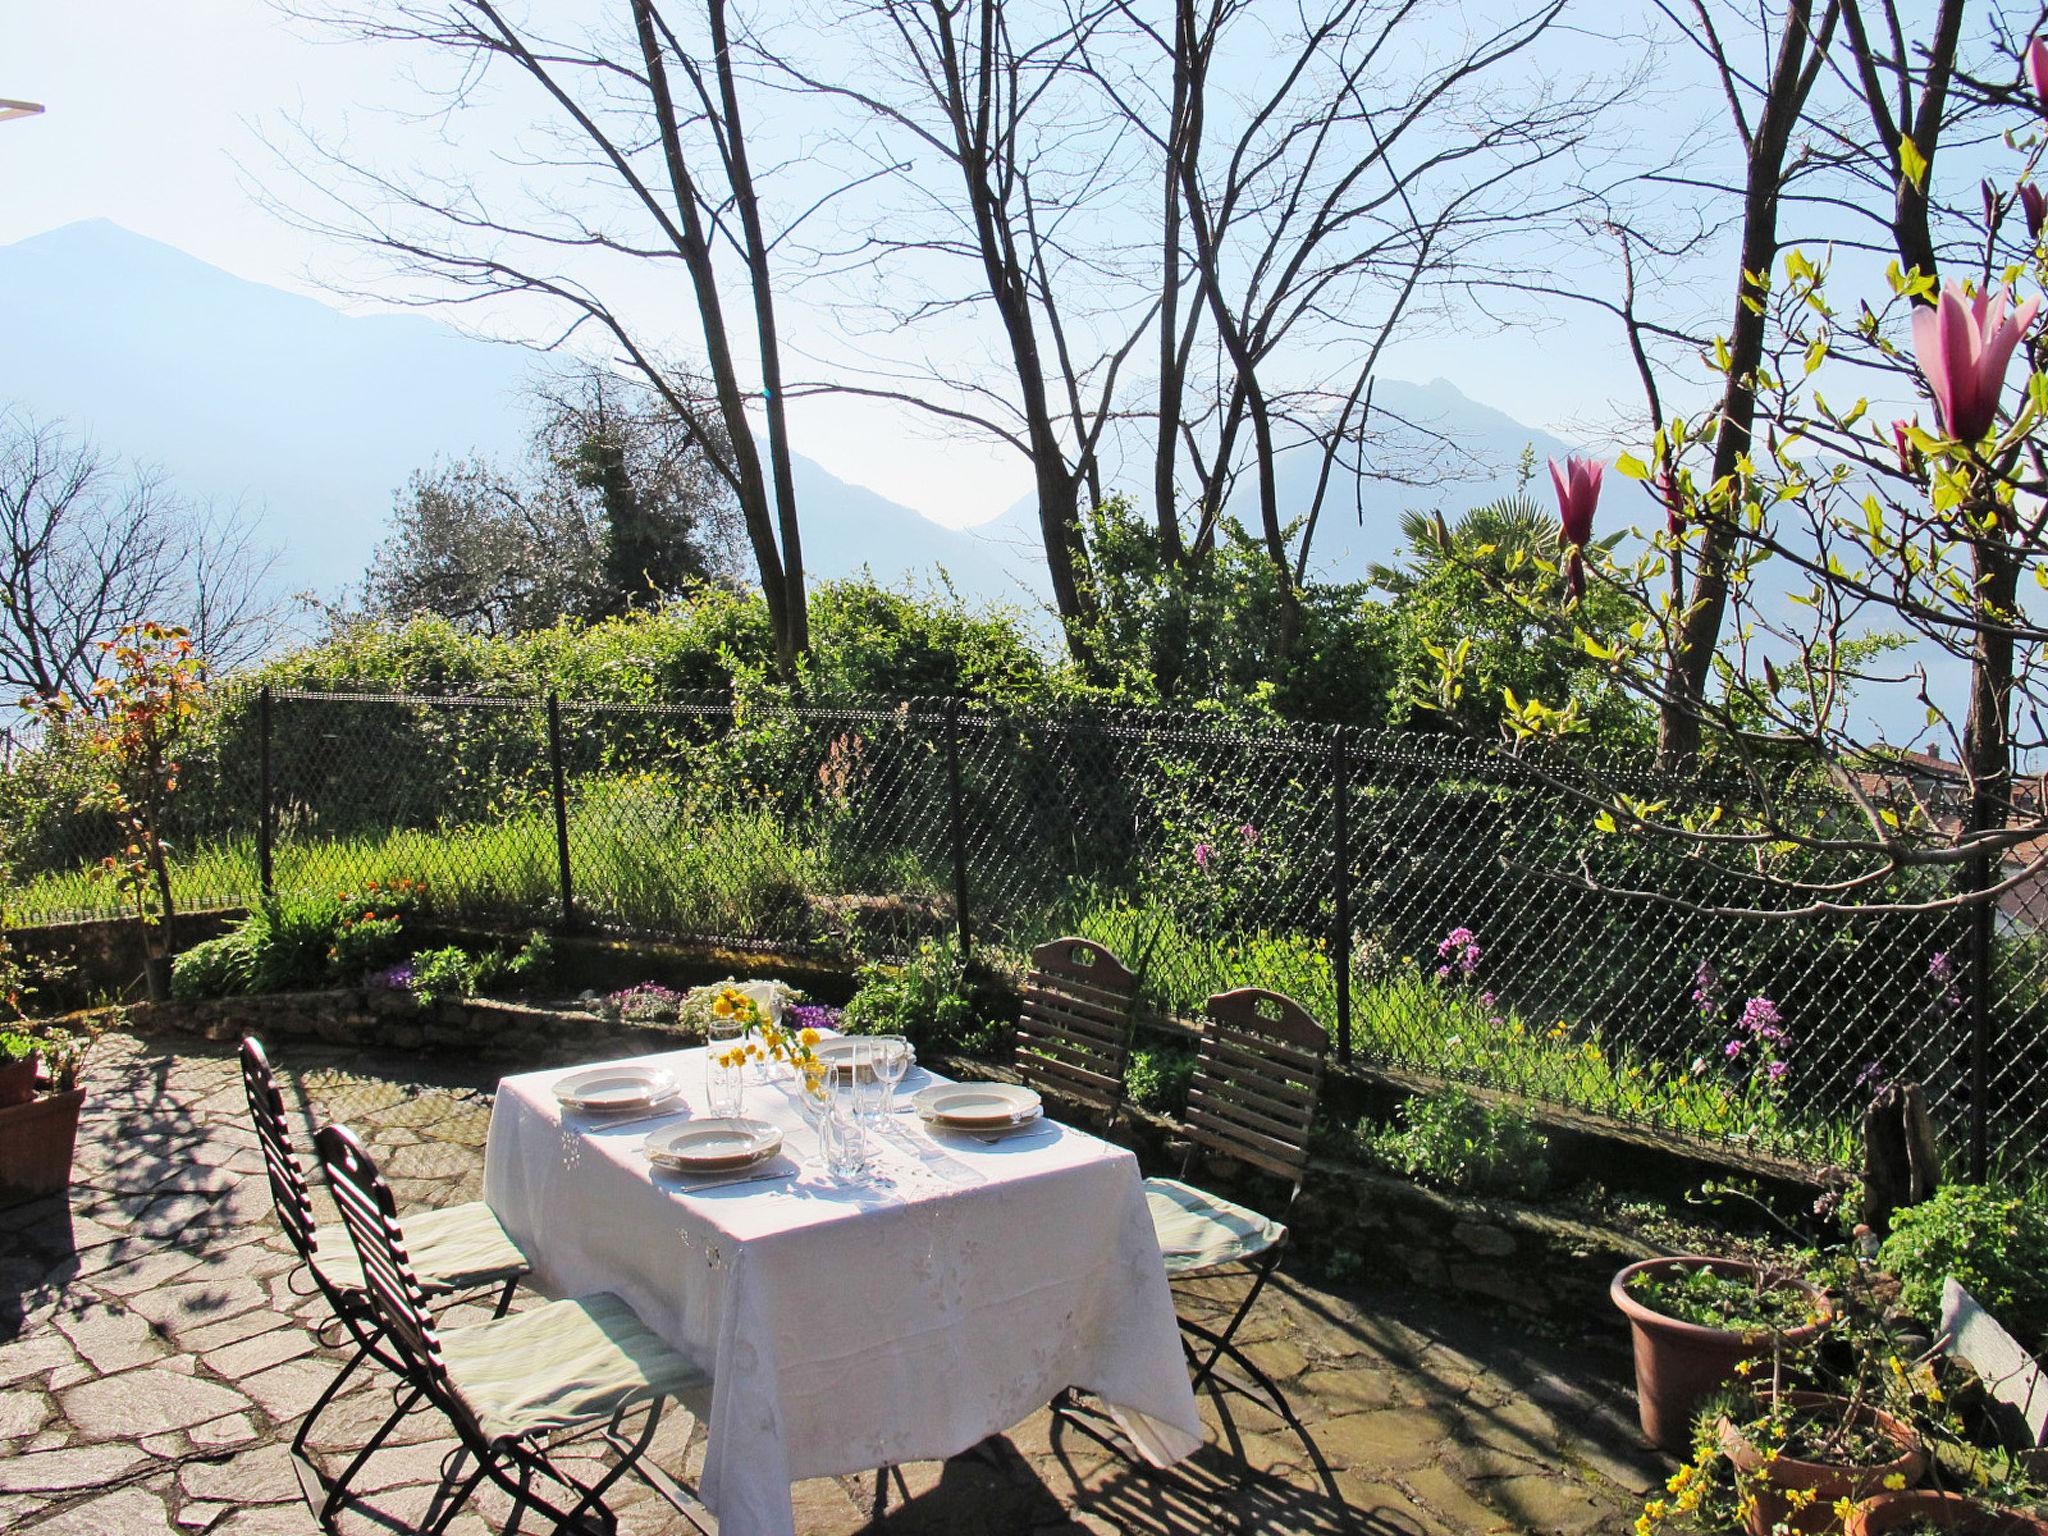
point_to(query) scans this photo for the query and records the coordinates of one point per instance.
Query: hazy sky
(153, 121)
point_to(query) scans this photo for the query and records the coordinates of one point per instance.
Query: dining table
(903, 1314)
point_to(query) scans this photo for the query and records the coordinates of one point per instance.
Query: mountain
(313, 418)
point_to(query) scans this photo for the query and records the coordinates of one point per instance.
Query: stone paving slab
(155, 1355)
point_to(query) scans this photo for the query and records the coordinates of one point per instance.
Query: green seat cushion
(455, 1248)
(1198, 1230)
(564, 1364)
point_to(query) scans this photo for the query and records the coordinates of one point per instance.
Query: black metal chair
(1074, 1029)
(1253, 1099)
(518, 1386)
(460, 1249)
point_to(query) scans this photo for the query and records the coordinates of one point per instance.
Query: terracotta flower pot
(1954, 1512)
(1773, 1481)
(36, 1143)
(18, 1081)
(1678, 1364)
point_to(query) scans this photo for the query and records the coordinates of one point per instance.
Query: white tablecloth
(851, 1326)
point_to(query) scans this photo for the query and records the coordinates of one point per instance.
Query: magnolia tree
(1868, 555)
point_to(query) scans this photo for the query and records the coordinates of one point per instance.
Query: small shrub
(1451, 1140)
(1158, 1077)
(290, 938)
(445, 973)
(930, 999)
(17, 1045)
(219, 967)
(648, 1003)
(1993, 1241)
(363, 944)
(534, 961)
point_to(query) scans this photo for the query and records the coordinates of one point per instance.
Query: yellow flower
(809, 1037)
(722, 1006)
(1895, 1481)
(1844, 1507)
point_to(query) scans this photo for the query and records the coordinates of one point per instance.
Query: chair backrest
(371, 1217)
(288, 1189)
(1256, 1081)
(1074, 1030)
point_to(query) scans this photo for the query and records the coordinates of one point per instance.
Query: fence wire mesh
(1416, 894)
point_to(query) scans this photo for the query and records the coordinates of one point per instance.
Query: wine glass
(892, 1063)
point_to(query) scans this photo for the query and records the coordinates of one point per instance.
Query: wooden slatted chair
(460, 1249)
(517, 1387)
(1074, 1030)
(1253, 1099)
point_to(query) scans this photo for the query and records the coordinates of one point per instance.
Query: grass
(1408, 1019)
(643, 859)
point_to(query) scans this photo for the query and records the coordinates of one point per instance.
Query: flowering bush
(648, 1003)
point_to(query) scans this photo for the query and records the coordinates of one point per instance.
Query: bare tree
(624, 165)
(88, 544)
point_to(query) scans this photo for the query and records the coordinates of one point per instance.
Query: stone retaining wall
(390, 1020)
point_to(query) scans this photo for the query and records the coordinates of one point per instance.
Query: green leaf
(1912, 164)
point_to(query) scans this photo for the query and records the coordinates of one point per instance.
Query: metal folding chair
(1074, 1029)
(518, 1386)
(461, 1248)
(1253, 1099)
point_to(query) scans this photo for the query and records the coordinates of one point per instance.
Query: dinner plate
(978, 1103)
(840, 1051)
(605, 1089)
(713, 1146)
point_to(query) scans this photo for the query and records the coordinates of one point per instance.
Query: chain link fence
(1418, 894)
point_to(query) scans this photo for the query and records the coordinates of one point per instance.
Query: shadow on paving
(154, 1361)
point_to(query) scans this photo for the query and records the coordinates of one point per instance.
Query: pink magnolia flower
(2035, 205)
(1909, 456)
(1674, 502)
(1963, 344)
(1578, 493)
(2037, 69)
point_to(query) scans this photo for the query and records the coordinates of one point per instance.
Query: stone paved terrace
(154, 1360)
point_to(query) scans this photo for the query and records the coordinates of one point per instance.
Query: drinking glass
(845, 1138)
(814, 1103)
(892, 1064)
(724, 1087)
(870, 1092)
(725, 1084)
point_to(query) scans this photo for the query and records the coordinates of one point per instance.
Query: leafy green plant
(930, 999)
(533, 961)
(1993, 1241)
(449, 972)
(291, 938)
(17, 1045)
(218, 967)
(365, 944)
(1450, 1139)
(1158, 1077)
(1715, 1298)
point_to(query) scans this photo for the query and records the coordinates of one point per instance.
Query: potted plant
(1694, 1319)
(1809, 1456)
(1915, 1510)
(18, 1067)
(39, 1134)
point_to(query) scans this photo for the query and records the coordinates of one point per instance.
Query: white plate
(978, 1103)
(840, 1050)
(605, 1089)
(713, 1146)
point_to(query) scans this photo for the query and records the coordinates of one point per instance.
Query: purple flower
(812, 1016)
(1776, 1071)
(1443, 973)
(1202, 852)
(1249, 833)
(1706, 989)
(1940, 967)
(1733, 1048)
(1487, 1001)
(1760, 1017)
(397, 978)
(1872, 1075)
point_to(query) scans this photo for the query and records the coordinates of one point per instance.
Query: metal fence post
(1340, 946)
(957, 821)
(1983, 921)
(561, 796)
(265, 798)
